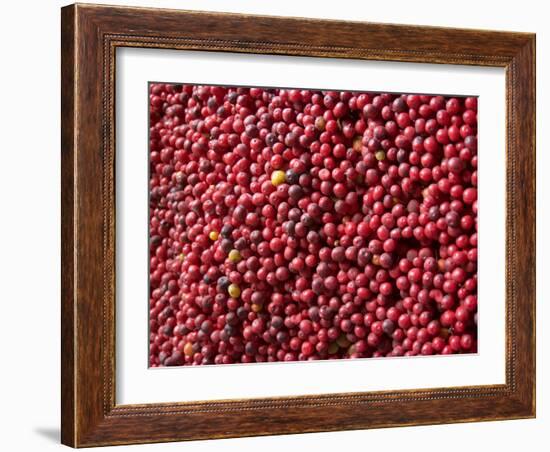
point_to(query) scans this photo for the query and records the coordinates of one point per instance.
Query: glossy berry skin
(278, 178)
(234, 291)
(296, 224)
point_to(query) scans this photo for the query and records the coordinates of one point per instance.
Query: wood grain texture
(67, 226)
(90, 36)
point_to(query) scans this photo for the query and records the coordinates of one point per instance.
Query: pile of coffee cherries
(295, 224)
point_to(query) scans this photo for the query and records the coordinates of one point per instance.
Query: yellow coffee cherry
(380, 155)
(333, 348)
(320, 123)
(358, 143)
(278, 177)
(213, 235)
(234, 290)
(188, 349)
(234, 256)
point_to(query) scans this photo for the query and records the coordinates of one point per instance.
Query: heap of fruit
(294, 224)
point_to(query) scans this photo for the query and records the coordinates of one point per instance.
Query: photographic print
(303, 224)
(266, 231)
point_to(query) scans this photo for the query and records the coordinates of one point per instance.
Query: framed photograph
(282, 225)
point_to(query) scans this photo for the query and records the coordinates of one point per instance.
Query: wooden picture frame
(90, 35)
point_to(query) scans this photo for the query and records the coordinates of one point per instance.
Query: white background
(30, 270)
(137, 384)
